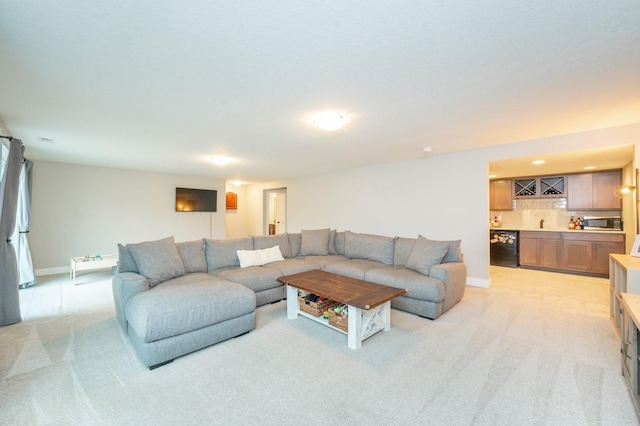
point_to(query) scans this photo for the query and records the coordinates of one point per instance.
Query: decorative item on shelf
(91, 257)
(314, 305)
(339, 317)
(622, 190)
(572, 224)
(232, 201)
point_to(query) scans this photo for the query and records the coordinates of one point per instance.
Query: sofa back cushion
(223, 253)
(315, 242)
(192, 255)
(157, 260)
(295, 240)
(339, 243)
(454, 251)
(403, 250)
(267, 241)
(126, 263)
(369, 247)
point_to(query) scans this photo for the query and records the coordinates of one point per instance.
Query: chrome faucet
(541, 223)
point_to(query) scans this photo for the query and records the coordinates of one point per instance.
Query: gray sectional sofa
(175, 298)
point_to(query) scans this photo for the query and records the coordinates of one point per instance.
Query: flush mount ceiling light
(220, 161)
(329, 120)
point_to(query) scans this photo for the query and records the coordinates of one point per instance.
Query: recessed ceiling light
(235, 183)
(427, 149)
(589, 168)
(330, 120)
(220, 161)
(537, 162)
(492, 176)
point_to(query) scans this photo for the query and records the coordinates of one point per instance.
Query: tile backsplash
(527, 214)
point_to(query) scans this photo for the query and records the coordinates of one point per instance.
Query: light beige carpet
(535, 349)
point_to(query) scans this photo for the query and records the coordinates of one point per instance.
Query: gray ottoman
(188, 313)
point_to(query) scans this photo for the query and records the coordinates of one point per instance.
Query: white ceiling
(163, 85)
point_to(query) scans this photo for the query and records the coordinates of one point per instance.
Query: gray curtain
(9, 188)
(19, 239)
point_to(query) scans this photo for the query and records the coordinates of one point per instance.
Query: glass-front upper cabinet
(550, 186)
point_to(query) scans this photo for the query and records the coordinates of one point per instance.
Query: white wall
(238, 220)
(78, 210)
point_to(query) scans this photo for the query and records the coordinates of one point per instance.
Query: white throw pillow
(259, 257)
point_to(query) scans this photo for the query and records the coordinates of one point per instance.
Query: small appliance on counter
(596, 223)
(504, 248)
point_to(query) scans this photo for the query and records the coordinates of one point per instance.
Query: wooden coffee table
(369, 304)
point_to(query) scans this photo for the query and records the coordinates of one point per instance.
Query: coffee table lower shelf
(363, 323)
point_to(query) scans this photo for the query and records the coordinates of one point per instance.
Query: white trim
(52, 271)
(478, 282)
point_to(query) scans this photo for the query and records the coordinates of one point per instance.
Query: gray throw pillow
(125, 260)
(314, 242)
(425, 254)
(157, 260)
(192, 255)
(454, 254)
(369, 247)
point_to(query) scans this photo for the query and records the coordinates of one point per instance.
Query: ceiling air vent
(45, 140)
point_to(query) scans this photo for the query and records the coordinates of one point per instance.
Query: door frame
(267, 194)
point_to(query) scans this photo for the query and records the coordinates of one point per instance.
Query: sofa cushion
(256, 278)
(157, 260)
(321, 261)
(403, 249)
(354, 268)
(454, 252)
(418, 286)
(369, 247)
(185, 304)
(295, 239)
(332, 241)
(259, 257)
(192, 255)
(339, 243)
(425, 254)
(223, 253)
(293, 266)
(314, 242)
(126, 263)
(267, 241)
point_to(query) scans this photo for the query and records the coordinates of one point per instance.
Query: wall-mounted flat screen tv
(196, 200)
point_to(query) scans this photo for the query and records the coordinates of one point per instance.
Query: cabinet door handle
(625, 349)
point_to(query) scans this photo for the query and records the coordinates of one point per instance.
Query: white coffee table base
(77, 264)
(363, 323)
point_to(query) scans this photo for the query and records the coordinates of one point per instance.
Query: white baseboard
(479, 282)
(52, 271)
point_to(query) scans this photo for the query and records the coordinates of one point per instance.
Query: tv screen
(196, 200)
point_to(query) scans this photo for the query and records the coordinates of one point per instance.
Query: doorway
(275, 211)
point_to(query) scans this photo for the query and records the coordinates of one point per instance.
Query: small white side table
(79, 264)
